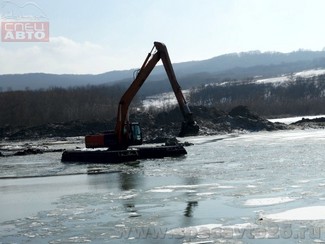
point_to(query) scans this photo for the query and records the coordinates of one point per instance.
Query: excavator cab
(135, 134)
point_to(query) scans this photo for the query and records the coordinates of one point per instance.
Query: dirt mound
(316, 120)
(29, 151)
(238, 119)
(243, 111)
(68, 129)
(317, 123)
(163, 125)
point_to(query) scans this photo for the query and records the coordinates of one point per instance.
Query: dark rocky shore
(156, 126)
(160, 127)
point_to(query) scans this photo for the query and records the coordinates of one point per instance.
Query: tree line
(300, 96)
(31, 108)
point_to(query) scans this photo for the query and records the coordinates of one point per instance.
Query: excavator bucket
(189, 129)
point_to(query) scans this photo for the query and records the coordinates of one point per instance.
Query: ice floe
(268, 201)
(189, 188)
(304, 213)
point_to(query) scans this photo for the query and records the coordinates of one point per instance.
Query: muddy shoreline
(159, 127)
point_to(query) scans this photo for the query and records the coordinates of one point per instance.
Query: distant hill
(249, 59)
(43, 81)
(189, 74)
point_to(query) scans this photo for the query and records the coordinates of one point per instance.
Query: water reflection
(128, 181)
(124, 181)
(191, 203)
(189, 208)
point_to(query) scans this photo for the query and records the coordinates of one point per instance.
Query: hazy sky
(95, 36)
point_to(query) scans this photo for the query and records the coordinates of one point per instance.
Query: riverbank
(156, 127)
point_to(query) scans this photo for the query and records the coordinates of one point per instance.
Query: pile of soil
(317, 123)
(67, 129)
(212, 121)
(156, 127)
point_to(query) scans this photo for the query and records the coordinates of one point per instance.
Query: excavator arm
(189, 126)
(121, 136)
(121, 127)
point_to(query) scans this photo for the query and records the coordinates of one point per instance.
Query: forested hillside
(301, 96)
(30, 108)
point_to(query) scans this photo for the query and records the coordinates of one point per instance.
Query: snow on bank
(304, 213)
(268, 201)
(273, 80)
(162, 100)
(286, 78)
(310, 73)
(278, 80)
(290, 120)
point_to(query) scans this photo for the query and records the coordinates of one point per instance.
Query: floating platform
(121, 156)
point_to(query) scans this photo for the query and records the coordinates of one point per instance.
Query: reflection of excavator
(127, 133)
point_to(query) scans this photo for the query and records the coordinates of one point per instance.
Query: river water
(265, 187)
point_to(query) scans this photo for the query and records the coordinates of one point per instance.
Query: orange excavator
(128, 133)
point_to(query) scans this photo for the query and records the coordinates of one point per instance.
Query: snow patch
(268, 201)
(205, 194)
(189, 188)
(162, 100)
(251, 186)
(290, 120)
(128, 196)
(304, 213)
(161, 190)
(310, 73)
(293, 77)
(273, 80)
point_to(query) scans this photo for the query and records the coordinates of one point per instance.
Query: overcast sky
(96, 36)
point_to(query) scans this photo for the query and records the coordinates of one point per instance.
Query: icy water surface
(265, 187)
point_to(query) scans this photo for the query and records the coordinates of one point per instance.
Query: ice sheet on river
(242, 185)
